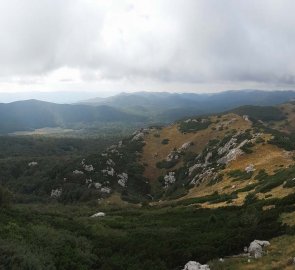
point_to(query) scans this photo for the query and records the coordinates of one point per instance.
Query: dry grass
(264, 156)
(288, 218)
(268, 157)
(154, 151)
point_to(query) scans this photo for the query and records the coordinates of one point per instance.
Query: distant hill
(138, 109)
(33, 114)
(168, 107)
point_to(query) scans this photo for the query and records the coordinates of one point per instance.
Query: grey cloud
(189, 41)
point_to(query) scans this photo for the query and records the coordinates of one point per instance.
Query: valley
(201, 188)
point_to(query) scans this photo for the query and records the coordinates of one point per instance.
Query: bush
(240, 175)
(165, 141)
(5, 197)
(193, 126)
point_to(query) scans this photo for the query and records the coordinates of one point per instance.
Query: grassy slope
(264, 156)
(177, 139)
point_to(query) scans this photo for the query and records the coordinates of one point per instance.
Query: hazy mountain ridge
(129, 108)
(166, 107)
(34, 114)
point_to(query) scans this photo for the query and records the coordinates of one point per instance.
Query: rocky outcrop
(137, 136)
(169, 179)
(122, 179)
(231, 143)
(193, 265)
(231, 155)
(175, 154)
(256, 248)
(193, 168)
(110, 162)
(108, 172)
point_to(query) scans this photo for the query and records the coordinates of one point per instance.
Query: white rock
(250, 168)
(111, 163)
(99, 214)
(169, 179)
(185, 146)
(108, 171)
(56, 193)
(193, 265)
(231, 143)
(138, 136)
(77, 172)
(256, 248)
(32, 163)
(88, 168)
(193, 168)
(122, 179)
(232, 155)
(246, 117)
(88, 181)
(97, 185)
(105, 190)
(208, 156)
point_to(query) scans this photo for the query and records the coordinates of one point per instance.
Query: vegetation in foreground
(55, 236)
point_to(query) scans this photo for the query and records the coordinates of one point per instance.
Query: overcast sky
(153, 45)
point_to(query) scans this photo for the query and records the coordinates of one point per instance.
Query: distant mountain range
(34, 114)
(132, 108)
(166, 107)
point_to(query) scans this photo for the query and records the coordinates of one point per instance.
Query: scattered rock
(32, 163)
(110, 162)
(138, 136)
(185, 146)
(97, 185)
(122, 179)
(88, 168)
(250, 168)
(193, 265)
(56, 193)
(88, 181)
(208, 156)
(77, 172)
(193, 168)
(246, 117)
(169, 179)
(105, 190)
(108, 171)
